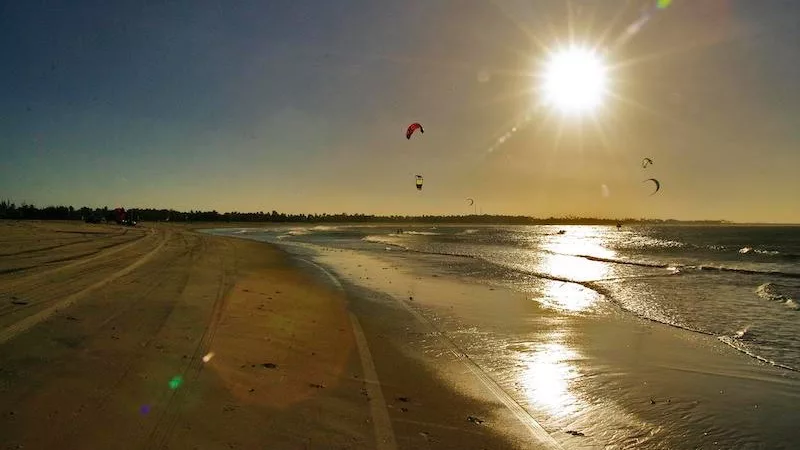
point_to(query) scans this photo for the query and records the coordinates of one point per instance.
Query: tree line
(9, 210)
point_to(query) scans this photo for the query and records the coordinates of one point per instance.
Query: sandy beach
(162, 337)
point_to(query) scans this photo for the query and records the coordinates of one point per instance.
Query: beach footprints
(475, 420)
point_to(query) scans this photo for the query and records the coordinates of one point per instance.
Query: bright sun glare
(574, 80)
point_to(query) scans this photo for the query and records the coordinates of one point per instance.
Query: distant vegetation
(9, 210)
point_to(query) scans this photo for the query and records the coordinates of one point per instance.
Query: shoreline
(698, 377)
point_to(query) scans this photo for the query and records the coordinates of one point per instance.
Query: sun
(574, 80)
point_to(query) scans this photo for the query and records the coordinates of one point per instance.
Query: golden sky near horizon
(303, 108)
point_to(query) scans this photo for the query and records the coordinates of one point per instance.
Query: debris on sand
(403, 399)
(475, 420)
(269, 366)
(18, 301)
(575, 433)
(314, 385)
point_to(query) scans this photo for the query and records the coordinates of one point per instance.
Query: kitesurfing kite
(412, 128)
(419, 182)
(645, 162)
(471, 201)
(658, 185)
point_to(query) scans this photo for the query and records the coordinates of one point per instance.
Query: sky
(301, 107)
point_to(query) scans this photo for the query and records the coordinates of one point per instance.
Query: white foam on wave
(385, 240)
(767, 252)
(735, 343)
(642, 241)
(771, 291)
(745, 250)
(743, 334)
(325, 228)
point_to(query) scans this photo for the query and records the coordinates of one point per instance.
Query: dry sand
(96, 321)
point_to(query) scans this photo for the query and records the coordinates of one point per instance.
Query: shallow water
(741, 283)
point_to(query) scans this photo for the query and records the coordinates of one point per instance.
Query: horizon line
(271, 215)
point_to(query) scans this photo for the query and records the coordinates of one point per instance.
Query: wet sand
(161, 337)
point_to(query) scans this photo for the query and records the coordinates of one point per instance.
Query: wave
(774, 253)
(641, 241)
(736, 344)
(772, 292)
(381, 239)
(622, 261)
(325, 228)
(681, 268)
(746, 250)
(775, 273)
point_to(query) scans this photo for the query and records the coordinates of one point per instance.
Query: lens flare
(175, 382)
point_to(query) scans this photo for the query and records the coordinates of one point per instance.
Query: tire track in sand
(116, 248)
(384, 433)
(128, 366)
(23, 325)
(61, 246)
(162, 431)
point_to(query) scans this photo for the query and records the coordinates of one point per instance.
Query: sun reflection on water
(547, 378)
(560, 260)
(568, 296)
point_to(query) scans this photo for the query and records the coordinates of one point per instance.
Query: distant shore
(12, 211)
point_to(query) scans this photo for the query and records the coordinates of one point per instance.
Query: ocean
(737, 285)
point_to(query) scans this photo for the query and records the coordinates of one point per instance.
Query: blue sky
(301, 106)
